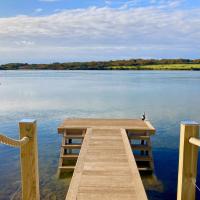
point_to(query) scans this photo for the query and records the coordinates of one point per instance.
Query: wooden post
(29, 161)
(188, 155)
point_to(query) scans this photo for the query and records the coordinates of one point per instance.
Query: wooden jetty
(106, 167)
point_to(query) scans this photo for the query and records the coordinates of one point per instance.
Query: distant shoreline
(124, 69)
(133, 64)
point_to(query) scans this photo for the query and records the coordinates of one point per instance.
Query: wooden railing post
(29, 161)
(188, 155)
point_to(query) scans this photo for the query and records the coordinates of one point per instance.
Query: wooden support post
(188, 155)
(29, 161)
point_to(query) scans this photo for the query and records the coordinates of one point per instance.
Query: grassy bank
(159, 67)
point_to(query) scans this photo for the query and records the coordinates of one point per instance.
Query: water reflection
(50, 96)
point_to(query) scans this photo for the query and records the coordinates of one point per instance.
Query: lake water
(50, 96)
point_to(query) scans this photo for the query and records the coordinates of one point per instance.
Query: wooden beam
(29, 161)
(188, 155)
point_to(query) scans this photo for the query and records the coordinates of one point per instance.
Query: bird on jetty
(144, 116)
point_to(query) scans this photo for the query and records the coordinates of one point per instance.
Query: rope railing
(194, 141)
(28, 158)
(194, 183)
(12, 142)
(188, 157)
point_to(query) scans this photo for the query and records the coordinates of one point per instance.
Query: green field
(158, 67)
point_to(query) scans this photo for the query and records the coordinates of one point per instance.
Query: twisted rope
(13, 143)
(194, 183)
(194, 141)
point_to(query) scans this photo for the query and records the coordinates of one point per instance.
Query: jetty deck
(137, 125)
(105, 168)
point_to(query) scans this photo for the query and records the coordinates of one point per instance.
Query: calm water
(51, 96)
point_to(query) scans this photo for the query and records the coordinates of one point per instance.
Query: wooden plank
(136, 125)
(140, 147)
(71, 146)
(131, 137)
(188, 155)
(74, 185)
(142, 158)
(74, 136)
(70, 156)
(61, 154)
(139, 188)
(66, 168)
(106, 170)
(145, 169)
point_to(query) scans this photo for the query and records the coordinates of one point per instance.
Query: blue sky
(45, 31)
(23, 7)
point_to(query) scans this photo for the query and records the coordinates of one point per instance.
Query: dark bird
(144, 116)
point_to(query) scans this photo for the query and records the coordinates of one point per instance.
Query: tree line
(99, 65)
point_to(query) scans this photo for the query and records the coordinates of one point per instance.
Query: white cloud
(102, 33)
(108, 2)
(58, 10)
(124, 4)
(37, 10)
(24, 43)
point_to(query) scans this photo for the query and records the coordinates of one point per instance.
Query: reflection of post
(29, 161)
(188, 155)
(142, 143)
(70, 142)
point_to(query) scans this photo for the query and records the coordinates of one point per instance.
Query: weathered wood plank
(106, 169)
